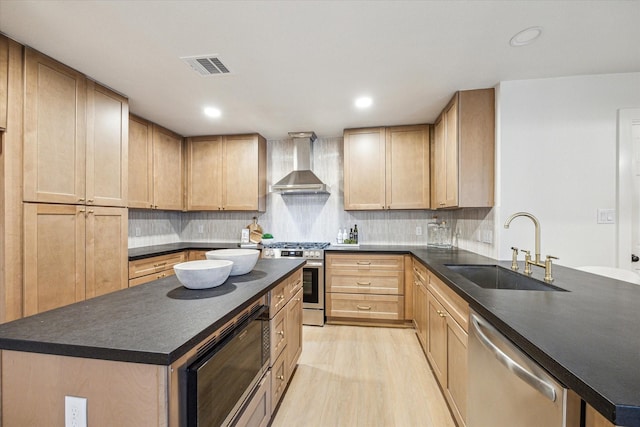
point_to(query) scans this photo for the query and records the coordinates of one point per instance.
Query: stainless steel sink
(497, 277)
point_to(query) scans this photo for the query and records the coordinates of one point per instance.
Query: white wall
(557, 159)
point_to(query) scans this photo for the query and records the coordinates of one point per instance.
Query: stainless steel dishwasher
(506, 387)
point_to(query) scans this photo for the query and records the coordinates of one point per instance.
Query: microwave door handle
(537, 383)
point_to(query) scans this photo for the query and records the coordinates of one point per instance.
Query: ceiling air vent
(208, 65)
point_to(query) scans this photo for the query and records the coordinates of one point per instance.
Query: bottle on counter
(355, 233)
(340, 238)
(351, 235)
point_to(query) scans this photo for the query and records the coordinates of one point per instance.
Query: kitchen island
(587, 337)
(117, 349)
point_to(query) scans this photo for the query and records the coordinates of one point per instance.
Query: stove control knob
(306, 254)
(317, 254)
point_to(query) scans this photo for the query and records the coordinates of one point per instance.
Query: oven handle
(313, 264)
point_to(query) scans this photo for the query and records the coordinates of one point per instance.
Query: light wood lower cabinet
(447, 337)
(153, 268)
(369, 287)
(594, 419)
(285, 312)
(257, 413)
(420, 307)
(195, 255)
(72, 252)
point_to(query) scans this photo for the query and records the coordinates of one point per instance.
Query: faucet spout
(536, 223)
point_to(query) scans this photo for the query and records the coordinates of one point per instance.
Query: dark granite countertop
(153, 323)
(586, 338)
(170, 248)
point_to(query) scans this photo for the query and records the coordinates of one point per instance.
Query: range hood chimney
(301, 180)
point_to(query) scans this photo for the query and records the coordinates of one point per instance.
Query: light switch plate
(606, 216)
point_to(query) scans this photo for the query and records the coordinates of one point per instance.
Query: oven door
(313, 285)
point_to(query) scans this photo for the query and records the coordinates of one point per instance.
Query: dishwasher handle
(537, 383)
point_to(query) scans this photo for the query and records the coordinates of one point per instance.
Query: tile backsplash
(311, 217)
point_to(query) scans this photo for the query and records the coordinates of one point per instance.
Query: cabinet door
(140, 163)
(364, 169)
(407, 167)
(107, 146)
(204, 173)
(54, 131)
(106, 250)
(4, 80)
(294, 335)
(439, 163)
(168, 170)
(420, 313)
(244, 173)
(54, 256)
(451, 155)
(457, 377)
(437, 339)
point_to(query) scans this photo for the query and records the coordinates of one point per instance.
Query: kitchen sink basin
(497, 277)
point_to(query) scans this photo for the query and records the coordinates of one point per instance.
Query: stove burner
(298, 245)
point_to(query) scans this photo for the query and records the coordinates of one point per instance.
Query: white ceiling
(298, 65)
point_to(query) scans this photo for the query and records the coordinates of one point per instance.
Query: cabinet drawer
(151, 277)
(357, 282)
(278, 326)
(457, 307)
(195, 255)
(382, 307)
(420, 273)
(143, 267)
(278, 298)
(278, 380)
(294, 284)
(365, 262)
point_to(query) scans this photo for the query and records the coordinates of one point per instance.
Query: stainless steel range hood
(301, 180)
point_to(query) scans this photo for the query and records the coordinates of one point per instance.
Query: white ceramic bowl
(203, 274)
(243, 259)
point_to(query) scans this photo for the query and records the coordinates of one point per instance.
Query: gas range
(307, 250)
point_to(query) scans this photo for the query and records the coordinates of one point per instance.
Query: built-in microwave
(224, 376)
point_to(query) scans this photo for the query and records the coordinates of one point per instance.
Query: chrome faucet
(527, 259)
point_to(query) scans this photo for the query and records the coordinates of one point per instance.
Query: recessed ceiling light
(363, 102)
(526, 36)
(212, 112)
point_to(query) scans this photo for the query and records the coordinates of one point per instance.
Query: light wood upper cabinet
(140, 163)
(168, 170)
(4, 80)
(55, 131)
(364, 169)
(464, 151)
(76, 137)
(72, 253)
(107, 146)
(387, 168)
(227, 173)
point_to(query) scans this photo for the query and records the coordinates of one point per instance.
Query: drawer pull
(363, 307)
(160, 264)
(281, 333)
(364, 262)
(364, 283)
(280, 377)
(280, 297)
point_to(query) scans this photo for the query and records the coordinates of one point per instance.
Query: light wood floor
(362, 376)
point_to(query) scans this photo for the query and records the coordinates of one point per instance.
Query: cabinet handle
(90, 211)
(364, 263)
(89, 200)
(364, 283)
(281, 333)
(151, 206)
(363, 307)
(280, 377)
(160, 264)
(280, 297)
(441, 203)
(81, 199)
(81, 210)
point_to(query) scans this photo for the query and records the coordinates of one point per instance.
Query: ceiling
(299, 65)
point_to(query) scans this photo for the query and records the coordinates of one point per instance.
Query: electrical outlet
(138, 232)
(418, 230)
(75, 411)
(201, 229)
